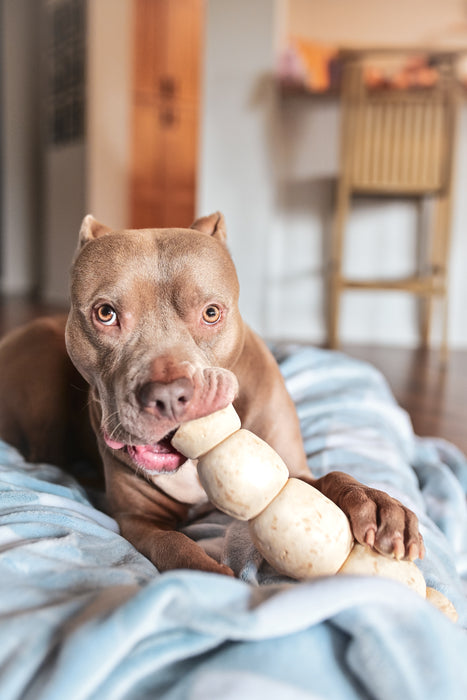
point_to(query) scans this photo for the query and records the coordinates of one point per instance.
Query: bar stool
(397, 143)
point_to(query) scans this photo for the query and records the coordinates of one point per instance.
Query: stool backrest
(397, 140)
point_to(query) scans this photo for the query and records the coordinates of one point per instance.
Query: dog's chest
(184, 485)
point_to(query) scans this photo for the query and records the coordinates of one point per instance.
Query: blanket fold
(85, 616)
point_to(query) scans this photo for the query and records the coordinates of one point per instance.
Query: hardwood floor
(434, 396)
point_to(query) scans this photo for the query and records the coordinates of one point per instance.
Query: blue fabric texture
(85, 616)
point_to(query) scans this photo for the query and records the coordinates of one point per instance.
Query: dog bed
(84, 615)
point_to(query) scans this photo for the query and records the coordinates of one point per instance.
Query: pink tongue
(114, 444)
(160, 457)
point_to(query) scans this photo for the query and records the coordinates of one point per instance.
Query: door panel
(165, 109)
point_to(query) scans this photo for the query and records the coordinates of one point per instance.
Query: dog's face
(154, 327)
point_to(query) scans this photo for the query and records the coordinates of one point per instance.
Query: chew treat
(297, 529)
(197, 437)
(442, 603)
(364, 561)
(302, 533)
(242, 475)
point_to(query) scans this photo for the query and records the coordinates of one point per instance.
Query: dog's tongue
(161, 457)
(114, 444)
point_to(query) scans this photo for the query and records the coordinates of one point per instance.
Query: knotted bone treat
(297, 529)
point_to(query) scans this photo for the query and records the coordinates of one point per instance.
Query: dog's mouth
(161, 457)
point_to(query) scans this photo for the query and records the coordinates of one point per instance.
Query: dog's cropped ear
(91, 229)
(213, 225)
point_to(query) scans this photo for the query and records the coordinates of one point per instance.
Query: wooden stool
(397, 143)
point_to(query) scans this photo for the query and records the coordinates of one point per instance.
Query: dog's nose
(166, 400)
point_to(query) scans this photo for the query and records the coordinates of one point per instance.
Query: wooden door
(165, 111)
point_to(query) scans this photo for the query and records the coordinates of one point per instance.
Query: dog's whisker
(106, 425)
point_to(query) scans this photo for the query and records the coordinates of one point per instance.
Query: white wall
(236, 173)
(376, 21)
(270, 165)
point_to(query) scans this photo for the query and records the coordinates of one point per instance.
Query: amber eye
(106, 315)
(211, 314)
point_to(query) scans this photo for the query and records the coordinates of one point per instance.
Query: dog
(154, 338)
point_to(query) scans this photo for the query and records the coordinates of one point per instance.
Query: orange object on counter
(316, 59)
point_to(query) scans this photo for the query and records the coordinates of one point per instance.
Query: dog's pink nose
(167, 400)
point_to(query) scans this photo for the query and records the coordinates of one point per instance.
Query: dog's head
(154, 328)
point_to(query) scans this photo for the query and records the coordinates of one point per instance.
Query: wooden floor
(434, 396)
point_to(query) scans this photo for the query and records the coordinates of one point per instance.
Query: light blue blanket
(83, 615)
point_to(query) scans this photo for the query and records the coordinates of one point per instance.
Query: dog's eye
(106, 315)
(211, 314)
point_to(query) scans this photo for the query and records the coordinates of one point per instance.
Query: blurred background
(150, 112)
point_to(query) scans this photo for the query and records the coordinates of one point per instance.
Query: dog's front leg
(149, 518)
(165, 547)
(376, 518)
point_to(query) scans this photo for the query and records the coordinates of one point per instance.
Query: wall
(91, 176)
(64, 208)
(270, 165)
(21, 192)
(376, 21)
(236, 173)
(108, 138)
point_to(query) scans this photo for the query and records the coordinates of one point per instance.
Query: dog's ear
(91, 229)
(213, 225)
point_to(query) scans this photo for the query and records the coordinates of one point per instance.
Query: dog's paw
(226, 570)
(383, 523)
(376, 519)
(213, 567)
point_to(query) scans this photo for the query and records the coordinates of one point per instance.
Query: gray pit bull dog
(156, 337)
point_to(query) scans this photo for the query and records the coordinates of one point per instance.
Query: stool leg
(444, 350)
(335, 272)
(445, 246)
(440, 261)
(425, 251)
(426, 304)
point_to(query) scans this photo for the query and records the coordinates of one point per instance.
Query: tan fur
(159, 281)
